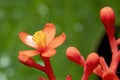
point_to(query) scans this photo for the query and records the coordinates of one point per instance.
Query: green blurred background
(79, 19)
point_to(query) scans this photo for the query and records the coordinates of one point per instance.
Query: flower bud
(92, 62)
(29, 61)
(74, 55)
(108, 19)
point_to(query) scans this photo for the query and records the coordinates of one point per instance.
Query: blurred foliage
(79, 19)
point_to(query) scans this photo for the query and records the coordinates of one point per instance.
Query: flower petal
(57, 41)
(25, 55)
(27, 39)
(49, 53)
(49, 30)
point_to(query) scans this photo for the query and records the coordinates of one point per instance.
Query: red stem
(103, 64)
(48, 69)
(39, 67)
(85, 75)
(113, 44)
(115, 53)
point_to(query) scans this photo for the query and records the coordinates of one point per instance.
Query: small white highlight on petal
(30, 41)
(78, 27)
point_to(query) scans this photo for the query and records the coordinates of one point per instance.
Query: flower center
(40, 38)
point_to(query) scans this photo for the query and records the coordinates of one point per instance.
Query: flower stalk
(48, 68)
(108, 19)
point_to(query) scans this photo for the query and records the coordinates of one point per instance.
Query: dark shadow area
(105, 51)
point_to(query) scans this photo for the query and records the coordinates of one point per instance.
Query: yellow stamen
(40, 38)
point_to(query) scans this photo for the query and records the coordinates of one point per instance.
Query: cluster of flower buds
(44, 42)
(94, 63)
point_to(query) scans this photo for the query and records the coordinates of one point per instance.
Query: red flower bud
(92, 62)
(108, 19)
(29, 62)
(74, 55)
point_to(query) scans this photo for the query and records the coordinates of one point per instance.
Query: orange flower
(44, 42)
